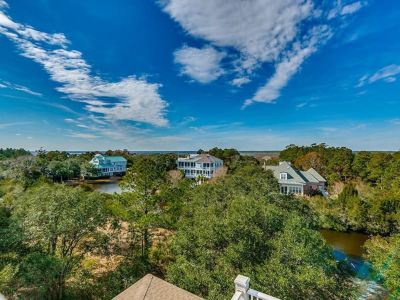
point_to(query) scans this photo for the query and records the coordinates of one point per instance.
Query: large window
(295, 190)
(283, 176)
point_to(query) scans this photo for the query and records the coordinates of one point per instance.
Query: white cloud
(257, 32)
(347, 9)
(289, 66)
(301, 105)
(187, 120)
(387, 74)
(351, 8)
(260, 29)
(6, 125)
(239, 81)
(3, 3)
(202, 64)
(131, 98)
(83, 135)
(69, 120)
(21, 88)
(395, 121)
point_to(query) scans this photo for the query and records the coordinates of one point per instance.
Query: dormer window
(283, 176)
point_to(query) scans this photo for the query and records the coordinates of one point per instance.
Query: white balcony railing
(244, 292)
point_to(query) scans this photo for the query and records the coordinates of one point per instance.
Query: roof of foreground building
(151, 287)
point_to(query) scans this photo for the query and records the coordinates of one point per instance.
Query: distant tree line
(12, 153)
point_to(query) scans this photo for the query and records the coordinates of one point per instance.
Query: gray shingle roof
(295, 176)
(201, 158)
(316, 175)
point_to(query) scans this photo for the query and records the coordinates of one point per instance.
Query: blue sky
(188, 74)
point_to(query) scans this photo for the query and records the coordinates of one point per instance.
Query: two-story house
(199, 165)
(294, 181)
(109, 165)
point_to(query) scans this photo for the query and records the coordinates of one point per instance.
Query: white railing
(244, 292)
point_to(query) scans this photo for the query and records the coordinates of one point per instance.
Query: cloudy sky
(189, 74)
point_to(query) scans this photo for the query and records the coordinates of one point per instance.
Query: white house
(109, 165)
(196, 165)
(293, 181)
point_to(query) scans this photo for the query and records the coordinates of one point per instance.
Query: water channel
(349, 246)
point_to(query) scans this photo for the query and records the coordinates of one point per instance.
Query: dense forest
(65, 241)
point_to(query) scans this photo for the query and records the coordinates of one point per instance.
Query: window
(284, 190)
(283, 176)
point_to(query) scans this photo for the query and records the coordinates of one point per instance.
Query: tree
(25, 170)
(360, 163)
(376, 166)
(339, 161)
(384, 254)
(141, 183)
(87, 170)
(56, 223)
(310, 160)
(58, 170)
(13, 153)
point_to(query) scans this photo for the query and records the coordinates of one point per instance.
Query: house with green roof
(109, 165)
(294, 181)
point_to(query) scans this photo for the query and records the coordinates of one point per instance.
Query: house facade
(199, 165)
(109, 165)
(294, 181)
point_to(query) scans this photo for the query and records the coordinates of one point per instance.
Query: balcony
(244, 292)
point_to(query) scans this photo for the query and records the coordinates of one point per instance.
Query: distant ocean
(180, 152)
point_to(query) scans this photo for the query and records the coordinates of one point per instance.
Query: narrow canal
(349, 246)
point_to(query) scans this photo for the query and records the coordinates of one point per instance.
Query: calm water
(107, 187)
(350, 243)
(349, 246)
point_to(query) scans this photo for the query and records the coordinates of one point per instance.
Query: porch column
(242, 284)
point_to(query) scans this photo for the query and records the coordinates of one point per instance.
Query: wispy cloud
(290, 65)
(200, 64)
(6, 125)
(83, 135)
(258, 32)
(341, 9)
(387, 74)
(395, 121)
(301, 105)
(187, 120)
(239, 81)
(21, 88)
(351, 8)
(131, 98)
